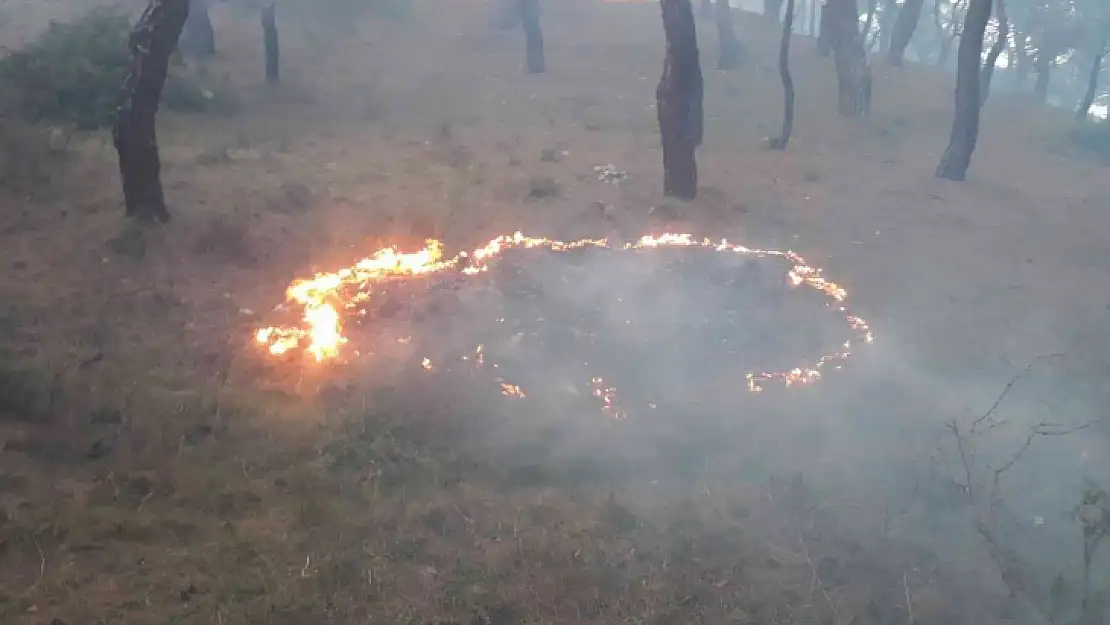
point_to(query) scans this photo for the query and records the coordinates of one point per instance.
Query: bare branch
(1006, 391)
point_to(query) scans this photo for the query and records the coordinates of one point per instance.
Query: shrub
(73, 74)
(1092, 136)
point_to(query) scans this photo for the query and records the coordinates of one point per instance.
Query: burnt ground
(157, 468)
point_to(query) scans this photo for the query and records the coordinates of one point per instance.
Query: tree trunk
(1044, 62)
(199, 35)
(508, 17)
(772, 9)
(869, 23)
(787, 80)
(904, 26)
(270, 42)
(726, 36)
(965, 125)
(813, 30)
(530, 19)
(826, 31)
(886, 25)
(151, 43)
(853, 74)
(1084, 110)
(679, 101)
(996, 51)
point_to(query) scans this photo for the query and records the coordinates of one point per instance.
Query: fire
(324, 297)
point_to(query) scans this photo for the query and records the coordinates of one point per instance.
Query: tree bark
(904, 26)
(199, 35)
(726, 37)
(965, 126)
(1084, 110)
(996, 51)
(271, 44)
(679, 101)
(152, 41)
(780, 142)
(530, 19)
(853, 74)
(772, 9)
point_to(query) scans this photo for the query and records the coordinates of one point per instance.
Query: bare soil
(155, 467)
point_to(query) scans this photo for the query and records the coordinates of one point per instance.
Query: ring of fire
(324, 296)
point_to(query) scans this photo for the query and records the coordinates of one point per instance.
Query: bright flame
(325, 295)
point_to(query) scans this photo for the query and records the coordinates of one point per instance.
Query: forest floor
(157, 467)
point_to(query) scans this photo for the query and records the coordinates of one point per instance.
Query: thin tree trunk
(1044, 62)
(826, 31)
(726, 37)
(886, 25)
(533, 35)
(787, 80)
(199, 35)
(151, 43)
(813, 31)
(679, 101)
(869, 23)
(965, 126)
(508, 17)
(1084, 109)
(904, 26)
(999, 45)
(772, 9)
(852, 71)
(270, 43)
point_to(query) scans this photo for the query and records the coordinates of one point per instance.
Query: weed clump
(73, 73)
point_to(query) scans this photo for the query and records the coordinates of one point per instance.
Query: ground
(155, 467)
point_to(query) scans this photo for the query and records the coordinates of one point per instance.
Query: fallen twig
(817, 579)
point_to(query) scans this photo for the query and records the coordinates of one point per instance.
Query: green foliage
(73, 74)
(1092, 136)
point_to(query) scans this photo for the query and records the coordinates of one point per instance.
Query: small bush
(1092, 136)
(73, 74)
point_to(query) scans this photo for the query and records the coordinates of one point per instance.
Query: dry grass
(154, 469)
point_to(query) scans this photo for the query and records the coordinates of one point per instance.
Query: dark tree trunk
(853, 74)
(726, 37)
(1084, 109)
(772, 9)
(270, 42)
(904, 26)
(199, 35)
(787, 80)
(965, 125)
(151, 43)
(826, 31)
(679, 101)
(996, 51)
(530, 19)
